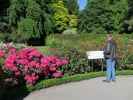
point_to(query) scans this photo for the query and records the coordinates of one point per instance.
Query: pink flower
(12, 50)
(22, 61)
(44, 61)
(9, 62)
(2, 53)
(52, 68)
(64, 62)
(57, 74)
(22, 55)
(35, 53)
(31, 79)
(52, 59)
(17, 73)
(38, 65)
(58, 63)
(31, 64)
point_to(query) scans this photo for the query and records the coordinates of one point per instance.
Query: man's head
(109, 37)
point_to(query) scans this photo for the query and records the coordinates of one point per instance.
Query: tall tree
(72, 6)
(102, 16)
(73, 9)
(128, 23)
(16, 11)
(60, 15)
(4, 4)
(32, 18)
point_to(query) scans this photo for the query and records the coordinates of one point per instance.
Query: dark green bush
(78, 63)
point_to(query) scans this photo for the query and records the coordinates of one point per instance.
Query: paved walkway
(93, 89)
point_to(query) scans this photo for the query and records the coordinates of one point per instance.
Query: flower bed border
(79, 77)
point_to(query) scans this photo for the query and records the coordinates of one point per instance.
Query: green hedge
(74, 78)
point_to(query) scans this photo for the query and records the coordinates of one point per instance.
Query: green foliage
(72, 6)
(52, 41)
(130, 59)
(78, 63)
(128, 22)
(104, 15)
(16, 11)
(36, 12)
(33, 10)
(26, 29)
(73, 21)
(4, 36)
(60, 15)
(119, 11)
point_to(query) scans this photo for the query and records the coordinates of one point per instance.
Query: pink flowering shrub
(30, 64)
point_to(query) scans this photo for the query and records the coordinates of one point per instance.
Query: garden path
(93, 89)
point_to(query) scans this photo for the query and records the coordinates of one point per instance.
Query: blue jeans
(110, 73)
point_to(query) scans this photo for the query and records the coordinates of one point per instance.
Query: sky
(82, 4)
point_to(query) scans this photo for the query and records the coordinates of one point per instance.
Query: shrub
(126, 62)
(51, 41)
(29, 64)
(73, 23)
(78, 63)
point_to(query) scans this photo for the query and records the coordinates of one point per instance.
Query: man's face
(109, 37)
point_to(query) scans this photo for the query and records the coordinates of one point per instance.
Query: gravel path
(93, 89)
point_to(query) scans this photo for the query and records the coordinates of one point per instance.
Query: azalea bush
(30, 65)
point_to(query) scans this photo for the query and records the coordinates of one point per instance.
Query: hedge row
(74, 78)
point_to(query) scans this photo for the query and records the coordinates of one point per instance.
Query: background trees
(35, 19)
(30, 18)
(103, 16)
(60, 15)
(72, 6)
(64, 14)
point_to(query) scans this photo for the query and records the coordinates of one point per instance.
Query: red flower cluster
(31, 64)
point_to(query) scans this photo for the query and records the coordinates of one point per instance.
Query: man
(110, 56)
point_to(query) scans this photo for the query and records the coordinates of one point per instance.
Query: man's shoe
(107, 81)
(113, 80)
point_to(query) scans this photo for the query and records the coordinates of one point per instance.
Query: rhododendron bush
(30, 64)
